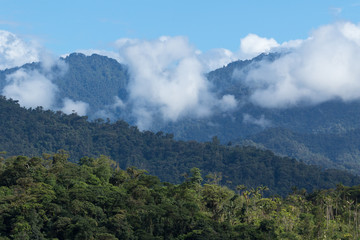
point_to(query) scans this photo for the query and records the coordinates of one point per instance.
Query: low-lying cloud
(168, 75)
(261, 121)
(167, 80)
(323, 67)
(227, 102)
(30, 88)
(78, 107)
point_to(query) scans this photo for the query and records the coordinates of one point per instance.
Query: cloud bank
(167, 74)
(167, 80)
(321, 68)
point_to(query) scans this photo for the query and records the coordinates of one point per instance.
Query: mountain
(34, 132)
(103, 84)
(95, 80)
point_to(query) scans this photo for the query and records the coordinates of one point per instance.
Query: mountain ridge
(33, 132)
(99, 80)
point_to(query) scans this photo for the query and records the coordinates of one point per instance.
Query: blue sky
(65, 26)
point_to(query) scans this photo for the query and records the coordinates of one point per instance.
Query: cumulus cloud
(14, 51)
(321, 68)
(252, 45)
(31, 88)
(167, 80)
(71, 106)
(262, 122)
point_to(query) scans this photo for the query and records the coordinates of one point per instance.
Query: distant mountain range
(325, 134)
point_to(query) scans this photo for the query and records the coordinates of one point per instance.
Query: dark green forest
(52, 198)
(32, 132)
(313, 148)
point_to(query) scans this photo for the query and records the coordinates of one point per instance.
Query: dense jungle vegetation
(52, 198)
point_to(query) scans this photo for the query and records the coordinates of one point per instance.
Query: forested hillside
(52, 198)
(322, 134)
(33, 132)
(95, 80)
(332, 150)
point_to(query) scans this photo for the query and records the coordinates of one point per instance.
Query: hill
(32, 132)
(103, 84)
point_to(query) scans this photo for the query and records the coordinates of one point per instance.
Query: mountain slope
(333, 150)
(34, 131)
(103, 82)
(95, 80)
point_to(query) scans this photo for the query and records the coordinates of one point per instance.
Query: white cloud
(262, 121)
(71, 106)
(288, 46)
(15, 51)
(252, 45)
(167, 79)
(228, 102)
(31, 88)
(321, 68)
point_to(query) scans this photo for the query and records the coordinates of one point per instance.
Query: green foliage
(67, 203)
